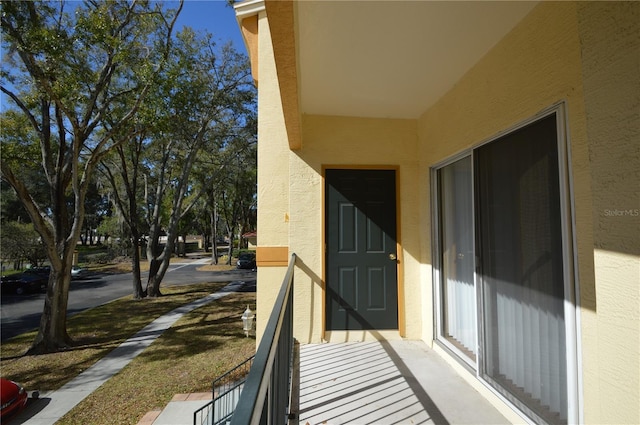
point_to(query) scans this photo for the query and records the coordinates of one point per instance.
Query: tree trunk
(153, 282)
(214, 238)
(158, 263)
(138, 292)
(230, 251)
(52, 334)
(242, 243)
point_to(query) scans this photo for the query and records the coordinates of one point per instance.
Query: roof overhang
(380, 59)
(283, 37)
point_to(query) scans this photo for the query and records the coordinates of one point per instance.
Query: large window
(502, 267)
(457, 262)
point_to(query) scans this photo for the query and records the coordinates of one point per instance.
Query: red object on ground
(13, 398)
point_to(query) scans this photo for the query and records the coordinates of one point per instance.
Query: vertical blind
(518, 243)
(521, 263)
(458, 291)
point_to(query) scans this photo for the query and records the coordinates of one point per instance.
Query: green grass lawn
(186, 358)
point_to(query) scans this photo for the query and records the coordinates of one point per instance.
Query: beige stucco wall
(290, 200)
(610, 41)
(587, 56)
(344, 141)
(290, 196)
(273, 174)
(582, 54)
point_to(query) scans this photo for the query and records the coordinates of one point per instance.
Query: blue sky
(213, 16)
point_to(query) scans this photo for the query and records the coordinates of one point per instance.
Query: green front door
(362, 289)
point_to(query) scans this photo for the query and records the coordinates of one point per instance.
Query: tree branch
(23, 108)
(42, 223)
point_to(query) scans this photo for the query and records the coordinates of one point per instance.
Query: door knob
(392, 256)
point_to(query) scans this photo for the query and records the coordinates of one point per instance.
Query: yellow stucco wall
(583, 54)
(273, 174)
(587, 56)
(610, 40)
(293, 188)
(341, 141)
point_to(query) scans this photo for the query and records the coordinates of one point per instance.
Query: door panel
(347, 233)
(377, 289)
(348, 288)
(362, 290)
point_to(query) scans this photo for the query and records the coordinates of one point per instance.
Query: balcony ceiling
(392, 59)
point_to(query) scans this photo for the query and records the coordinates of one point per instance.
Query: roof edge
(248, 8)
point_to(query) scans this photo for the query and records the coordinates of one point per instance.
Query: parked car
(24, 283)
(13, 398)
(247, 260)
(77, 272)
(40, 271)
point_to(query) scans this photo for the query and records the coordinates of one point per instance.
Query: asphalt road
(21, 313)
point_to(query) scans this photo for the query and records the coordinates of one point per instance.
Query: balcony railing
(265, 396)
(267, 391)
(226, 391)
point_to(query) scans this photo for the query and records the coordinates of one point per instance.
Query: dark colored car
(247, 260)
(40, 271)
(24, 283)
(13, 399)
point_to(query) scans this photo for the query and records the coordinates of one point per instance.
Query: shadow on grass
(202, 330)
(202, 345)
(96, 332)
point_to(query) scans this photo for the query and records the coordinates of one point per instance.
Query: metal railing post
(266, 394)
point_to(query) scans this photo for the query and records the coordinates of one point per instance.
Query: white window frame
(571, 284)
(437, 256)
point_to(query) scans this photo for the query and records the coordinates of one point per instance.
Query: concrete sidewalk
(50, 407)
(179, 411)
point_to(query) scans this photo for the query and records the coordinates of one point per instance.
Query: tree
(10, 206)
(65, 72)
(205, 90)
(237, 199)
(234, 191)
(20, 144)
(121, 169)
(21, 242)
(222, 174)
(97, 208)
